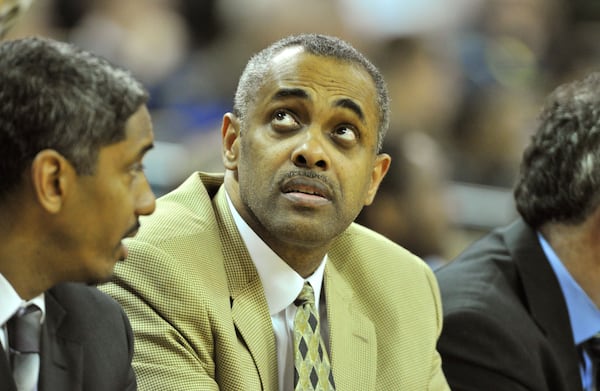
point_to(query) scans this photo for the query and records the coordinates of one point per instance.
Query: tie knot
(592, 347)
(307, 295)
(24, 330)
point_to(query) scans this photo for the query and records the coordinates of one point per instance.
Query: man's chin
(98, 281)
(102, 278)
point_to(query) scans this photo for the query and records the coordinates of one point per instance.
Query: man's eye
(137, 168)
(346, 133)
(283, 119)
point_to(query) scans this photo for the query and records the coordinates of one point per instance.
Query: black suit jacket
(87, 343)
(506, 325)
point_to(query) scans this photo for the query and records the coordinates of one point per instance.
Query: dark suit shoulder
(94, 338)
(81, 298)
(88, 314)
(490, 338)
(484, 276)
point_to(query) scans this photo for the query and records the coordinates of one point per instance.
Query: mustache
(319, 181)
(307, 174)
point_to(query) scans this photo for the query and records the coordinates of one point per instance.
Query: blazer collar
(249, 308)
(352, 337)
(544, 296)
(62, 359)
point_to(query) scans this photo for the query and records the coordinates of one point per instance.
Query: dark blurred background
(466, 77)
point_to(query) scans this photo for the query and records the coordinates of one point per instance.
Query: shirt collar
(12, 302)
(281, 283)
(583, 313)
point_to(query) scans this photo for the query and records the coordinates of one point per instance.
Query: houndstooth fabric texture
(201, 320)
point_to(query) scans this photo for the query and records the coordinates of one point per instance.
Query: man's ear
(230, 133)
(380, 168)
(51, 176)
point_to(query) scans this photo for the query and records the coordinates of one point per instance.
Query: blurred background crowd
(466, 79)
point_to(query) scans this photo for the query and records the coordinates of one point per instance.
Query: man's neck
(303, 259)
(578, 247)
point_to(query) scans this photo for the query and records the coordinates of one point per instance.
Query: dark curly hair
(559, 179)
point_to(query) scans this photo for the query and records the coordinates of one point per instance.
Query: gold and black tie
(312, 367)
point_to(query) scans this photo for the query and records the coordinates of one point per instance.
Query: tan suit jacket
(201, 320)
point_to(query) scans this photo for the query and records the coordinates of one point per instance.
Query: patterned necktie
(24, 343)
(592, 347)
(312, 368)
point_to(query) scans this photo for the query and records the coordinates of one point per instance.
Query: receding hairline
(292, 52)
(319, 45)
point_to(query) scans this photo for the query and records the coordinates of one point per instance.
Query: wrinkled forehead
(296, 63)
(294, 66)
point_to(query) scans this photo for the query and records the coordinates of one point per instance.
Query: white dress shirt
(282, 285)
(10, 303)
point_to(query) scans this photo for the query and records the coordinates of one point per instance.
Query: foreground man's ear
(230, 133)
(380, 168)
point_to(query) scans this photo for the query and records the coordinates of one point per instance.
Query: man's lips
(131, 232)
(305, 185)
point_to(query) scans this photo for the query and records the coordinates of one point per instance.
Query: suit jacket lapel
(61, 365)
(255, 328)
(545, 298)
(352, 337)
(249, 308)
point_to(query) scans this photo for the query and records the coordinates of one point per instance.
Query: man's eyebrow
(145, 149)
(290, 92)
(300, 93)
(351, 105)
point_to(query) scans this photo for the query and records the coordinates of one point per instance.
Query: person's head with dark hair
(257, 68)
(541, 272)
(559, 179)
(73, 132)
(56, 96)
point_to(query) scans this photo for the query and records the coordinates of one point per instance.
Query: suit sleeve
(479, 354)
(166, 356)
(131, 383)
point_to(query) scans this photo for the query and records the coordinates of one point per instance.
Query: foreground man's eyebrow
(351, 105)
(300, 93)
(145, 149)
(290, 92)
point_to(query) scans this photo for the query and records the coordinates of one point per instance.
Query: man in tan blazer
(211, 279)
